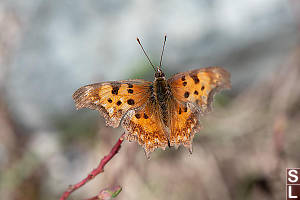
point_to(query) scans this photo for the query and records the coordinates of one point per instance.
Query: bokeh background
(48, 49)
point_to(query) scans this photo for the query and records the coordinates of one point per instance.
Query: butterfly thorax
(162, 94)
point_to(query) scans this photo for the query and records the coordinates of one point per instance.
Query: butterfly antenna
(137, 39)
(162, 52)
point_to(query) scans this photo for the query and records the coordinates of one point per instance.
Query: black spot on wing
(145, 116)
(185, 108)
(186, 94)
(194, 76)
(130, 101)
(115, 90)
(115, 87)
(119, 102)
(137, 115)
(130, 85)
(130, 91)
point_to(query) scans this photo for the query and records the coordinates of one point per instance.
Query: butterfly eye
(159, 74)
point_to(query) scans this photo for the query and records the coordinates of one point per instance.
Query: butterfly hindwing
(113, 99)
(193, 93)
(146, 127)
(184, 124)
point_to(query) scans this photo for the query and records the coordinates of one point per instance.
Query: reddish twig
(96, 171)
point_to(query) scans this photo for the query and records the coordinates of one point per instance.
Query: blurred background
(48, 49)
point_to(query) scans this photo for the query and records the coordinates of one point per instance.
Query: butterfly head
(159, 73)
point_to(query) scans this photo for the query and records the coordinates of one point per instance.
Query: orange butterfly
(160, 113)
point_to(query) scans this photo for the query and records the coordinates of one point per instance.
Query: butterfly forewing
(199, 86)
(113, 99)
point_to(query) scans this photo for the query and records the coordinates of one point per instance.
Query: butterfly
(158, 114)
